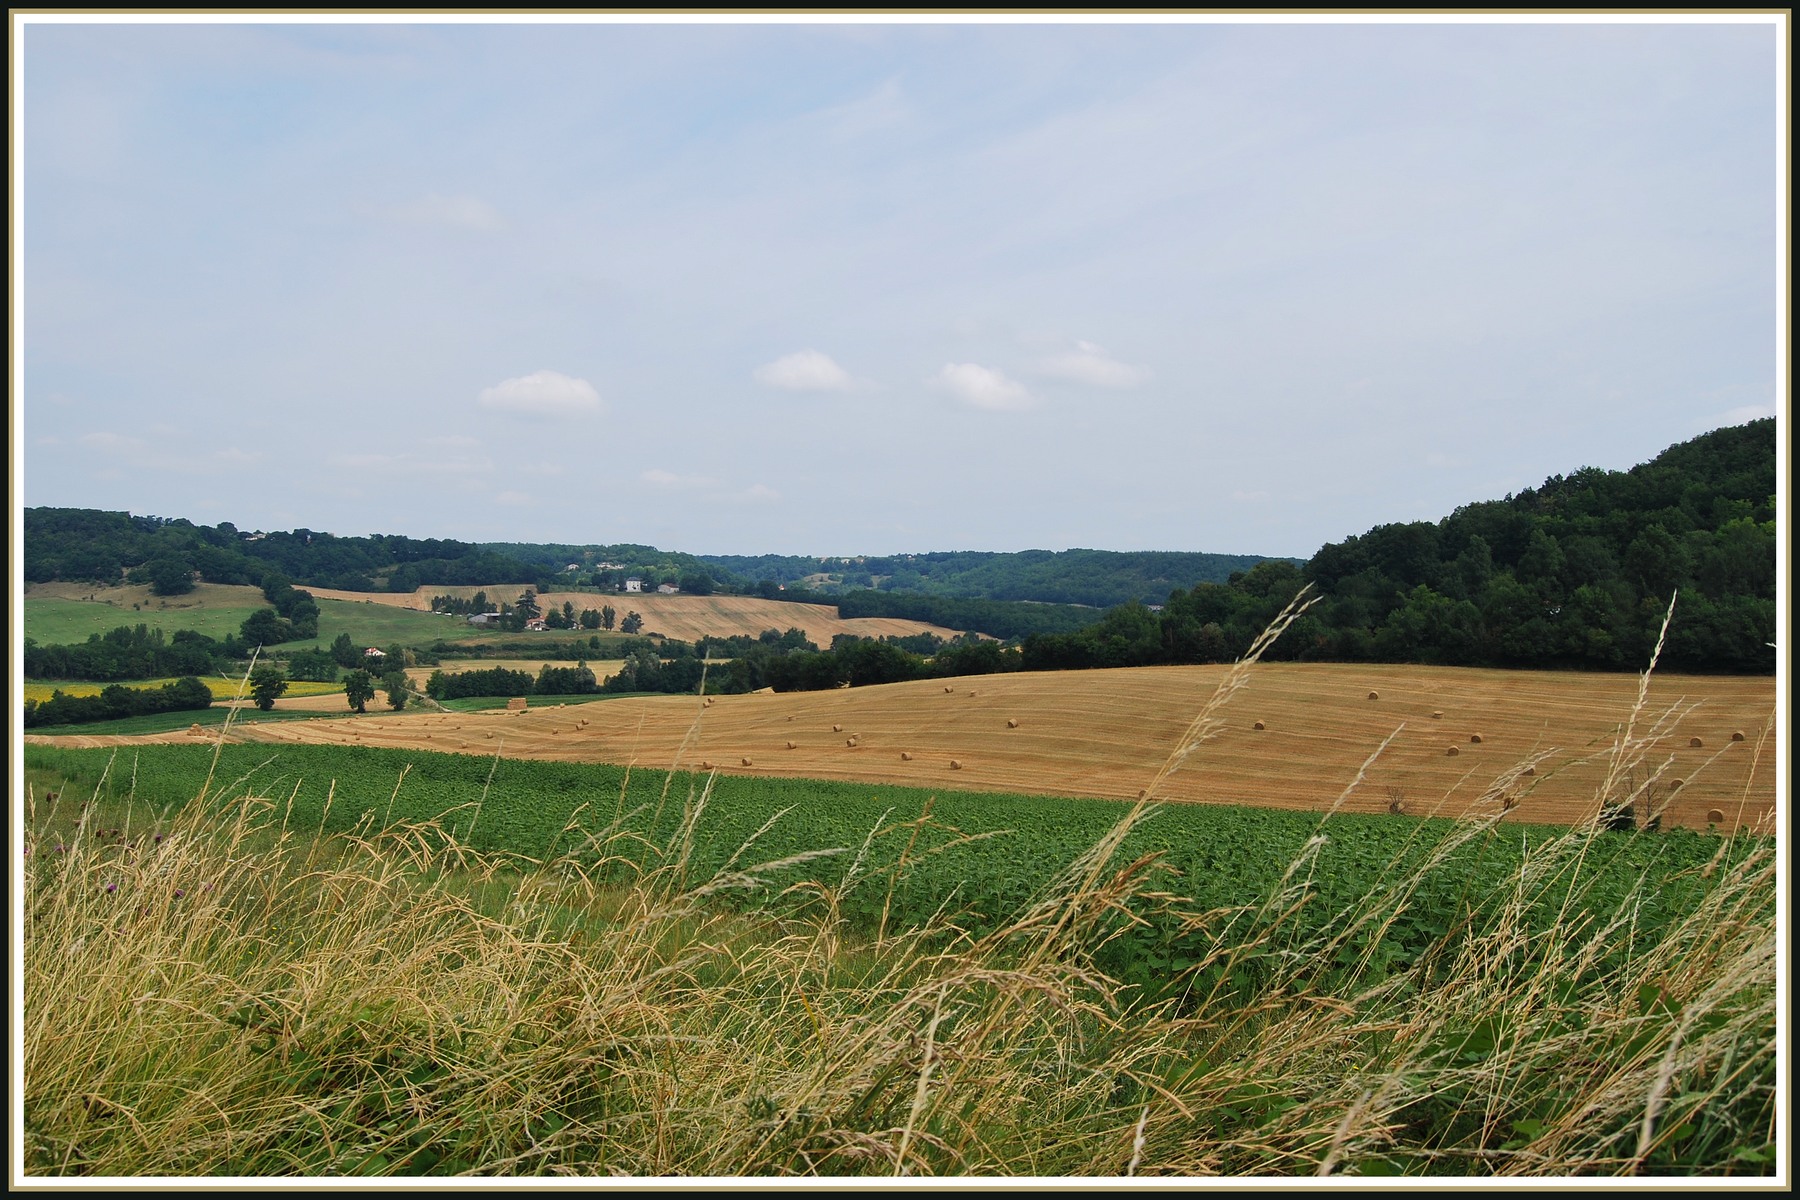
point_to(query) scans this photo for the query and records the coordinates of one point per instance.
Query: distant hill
(1098, 578)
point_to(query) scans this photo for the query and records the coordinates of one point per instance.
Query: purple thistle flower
(112, 887)
(179, 893)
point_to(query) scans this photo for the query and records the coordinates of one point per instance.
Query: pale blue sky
(863, 288)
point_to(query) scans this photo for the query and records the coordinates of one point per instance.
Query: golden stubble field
(685, 618)
(1460, 738)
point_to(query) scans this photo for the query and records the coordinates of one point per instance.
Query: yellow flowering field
(221, 687)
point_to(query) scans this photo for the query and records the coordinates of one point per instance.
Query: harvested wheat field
(685, 618)
(1534, 743)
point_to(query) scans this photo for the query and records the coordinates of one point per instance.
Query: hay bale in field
(905, 757)
(948, 688)
(792, 746)
(850, 741)
(1475, 739)
(1012, 722)
(1715, 816)
(1259, 725)
(956, 764)
(709, 699)
(1452, 752)
(971, 691)
(1437, 714)
(747, 762)
(1695, 742)
(488, 734)
(1737, 735)
(837, 729)
(705, 766)
(1529, 771)
(1675, 785)
(1374, 695)
(583, 724)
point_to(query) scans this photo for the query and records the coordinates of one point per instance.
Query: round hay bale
(1437, 714)
(905, 757)
(948, 688)
(709, 700)
(971, 691)
(1715, 816)
(488, 734)
(746, 762)
(837, 729)
(791, 746)
(1737, 735)
(705, 766)
(956, 764)
(1529, 771)
(849, 741)
(195, 728)
(1374, 695)
(1453, 752)
(583, 724)
(1259, 725)
(1695, 742)
(1012, 722)
(1475, 739)
(1675, 785)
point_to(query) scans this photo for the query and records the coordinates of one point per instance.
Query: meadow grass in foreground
(223, 992)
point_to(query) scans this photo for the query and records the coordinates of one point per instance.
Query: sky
(867, 287)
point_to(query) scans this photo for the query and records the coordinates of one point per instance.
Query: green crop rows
(982, 856)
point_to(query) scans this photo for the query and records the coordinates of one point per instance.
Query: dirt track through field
(1460, 738)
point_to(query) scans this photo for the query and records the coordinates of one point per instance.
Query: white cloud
(1090, 364)
(804, 371)
(542, 394)
(669, 479)
(452, 212)
(983, 387)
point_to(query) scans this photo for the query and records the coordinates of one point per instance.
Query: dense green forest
(1097, 578)
(1576, 573)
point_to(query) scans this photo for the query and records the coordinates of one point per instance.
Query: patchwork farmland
(1297, 736)
(685, 618)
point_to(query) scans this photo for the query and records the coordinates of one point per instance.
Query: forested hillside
(1098, 578)
(1576, 573)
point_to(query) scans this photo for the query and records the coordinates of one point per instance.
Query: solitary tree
(266, 684)
(359, 689)
(632, 623)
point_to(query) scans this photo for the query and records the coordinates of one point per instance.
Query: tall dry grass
(215, 992)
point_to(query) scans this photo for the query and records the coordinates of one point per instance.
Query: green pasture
(213, 611)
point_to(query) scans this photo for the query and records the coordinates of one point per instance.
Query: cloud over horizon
(983, 387)
(804, 371)
(542, 394)
(1090, 364)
